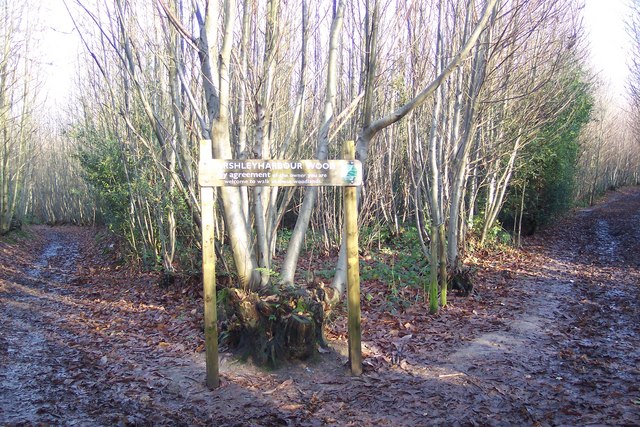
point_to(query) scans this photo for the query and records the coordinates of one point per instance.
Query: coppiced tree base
(461, 280)
(14, 225)
(285, 324)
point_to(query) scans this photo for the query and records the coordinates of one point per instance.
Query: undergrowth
(16, 236)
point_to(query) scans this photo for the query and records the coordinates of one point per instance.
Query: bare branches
(178, 25)
(424, 95)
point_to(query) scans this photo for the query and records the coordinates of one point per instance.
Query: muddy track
(35, 366)
(576, 344)
(56, 367)
(552, 337)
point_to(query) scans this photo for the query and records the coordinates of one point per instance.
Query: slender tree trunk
(297, 237)
(461, 159)
(216, 83)
(367, 134)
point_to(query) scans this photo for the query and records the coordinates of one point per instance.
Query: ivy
(551, 166)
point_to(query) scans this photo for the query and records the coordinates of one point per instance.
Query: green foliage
(377, 234)
(400, 264)
(134, 201)
(100, 159)
(326, 274)
(269, 272)
(282, 240)
(550, 166)
(301, 306)
(16, 236)
(497, 236)
(223, 300)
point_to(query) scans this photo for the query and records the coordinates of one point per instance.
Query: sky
(60, 49)
(604, 21)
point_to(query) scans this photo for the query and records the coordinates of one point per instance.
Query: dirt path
(551, 338)
(572, 356)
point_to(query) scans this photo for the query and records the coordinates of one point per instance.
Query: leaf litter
(551, 336)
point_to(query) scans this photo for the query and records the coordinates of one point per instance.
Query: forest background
(476, 122)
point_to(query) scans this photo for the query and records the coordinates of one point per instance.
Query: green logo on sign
(351, 173)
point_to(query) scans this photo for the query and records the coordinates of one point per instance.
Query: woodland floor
(551, 337)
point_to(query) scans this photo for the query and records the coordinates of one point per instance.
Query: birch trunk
(302, 223)
(216, 84)
(367, 134)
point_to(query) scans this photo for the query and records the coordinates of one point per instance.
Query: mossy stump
(285, 324)
(461, 280)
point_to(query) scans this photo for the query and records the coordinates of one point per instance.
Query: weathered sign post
(209, 275)
(353, 267)
(278, 173)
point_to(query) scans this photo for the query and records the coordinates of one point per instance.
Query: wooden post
(353, 268)
(345, 173)
(209, 276)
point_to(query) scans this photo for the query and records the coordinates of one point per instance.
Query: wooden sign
(280, 173)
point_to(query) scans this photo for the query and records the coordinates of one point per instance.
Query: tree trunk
(281, 326)
(216, 84)
(367, 134)
(302, 223)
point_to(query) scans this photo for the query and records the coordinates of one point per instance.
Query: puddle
(33, 365)
(56, 248)
(43, 261)
(20, 395)
(607, 245)
(615, 293)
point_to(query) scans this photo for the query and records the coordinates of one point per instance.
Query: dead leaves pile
(550, 337)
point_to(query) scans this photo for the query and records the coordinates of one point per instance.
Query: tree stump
(285, 324)
(461, 280)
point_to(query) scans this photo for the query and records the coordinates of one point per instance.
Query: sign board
(280, 173)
